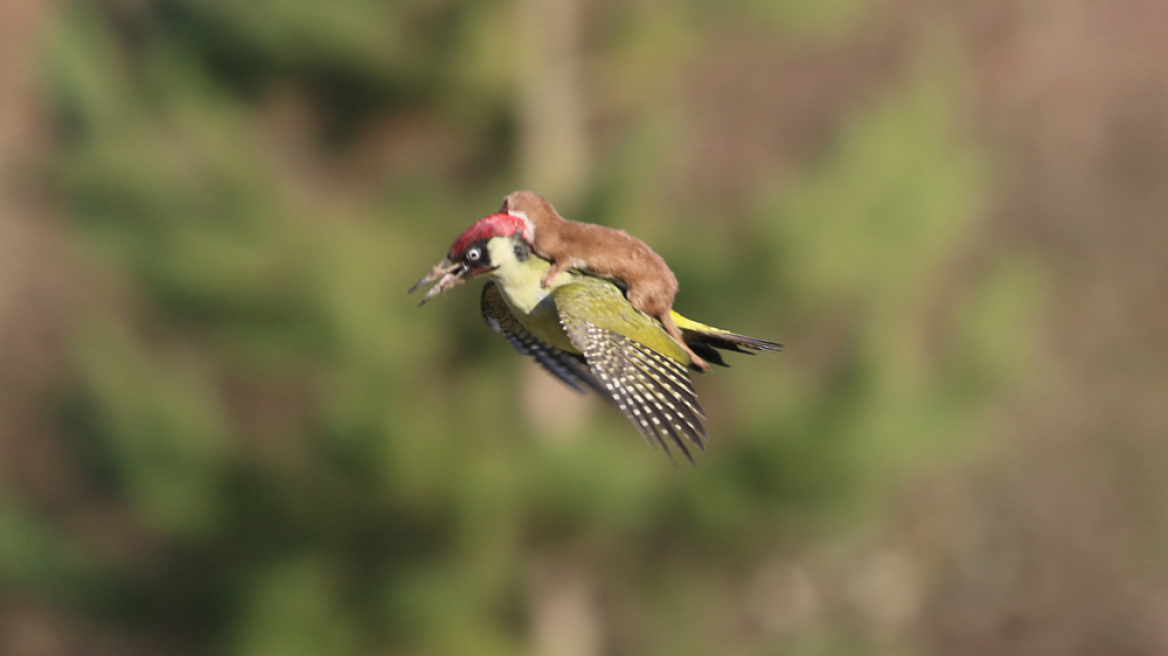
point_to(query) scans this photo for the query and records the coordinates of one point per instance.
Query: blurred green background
(226, 429)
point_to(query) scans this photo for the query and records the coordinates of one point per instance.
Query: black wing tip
(677, 413)
(681, 446)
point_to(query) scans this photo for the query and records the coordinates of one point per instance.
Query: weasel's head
(532, 208)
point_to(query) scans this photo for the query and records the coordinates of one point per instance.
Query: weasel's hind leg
(655, 299)
(666, 320)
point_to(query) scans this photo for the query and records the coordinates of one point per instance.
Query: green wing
(605, 306)
(568, 367)
(652, 389)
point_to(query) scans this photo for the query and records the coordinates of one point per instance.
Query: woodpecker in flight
(607, 252)
(583, 330)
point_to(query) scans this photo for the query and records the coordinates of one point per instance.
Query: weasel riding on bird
(606, 252)
(584, 330)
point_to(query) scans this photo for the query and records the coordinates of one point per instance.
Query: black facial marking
(521, 251)
(477, 255)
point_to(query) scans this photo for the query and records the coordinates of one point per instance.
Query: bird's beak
(448, 274)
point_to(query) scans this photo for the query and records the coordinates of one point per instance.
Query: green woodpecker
(607, 252)
(583, 330)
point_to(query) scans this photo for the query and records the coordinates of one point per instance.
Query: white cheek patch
(528, 226)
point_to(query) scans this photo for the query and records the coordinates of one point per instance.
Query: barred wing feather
(654, 391)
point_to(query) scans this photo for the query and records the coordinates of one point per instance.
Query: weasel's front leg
(557, 268)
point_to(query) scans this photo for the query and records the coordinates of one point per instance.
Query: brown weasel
(605, 252)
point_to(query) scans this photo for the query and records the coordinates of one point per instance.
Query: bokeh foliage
(320, 468)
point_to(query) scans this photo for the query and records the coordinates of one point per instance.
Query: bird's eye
(473, 255)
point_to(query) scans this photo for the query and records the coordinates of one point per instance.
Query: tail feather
(705, 339)
(730, 341)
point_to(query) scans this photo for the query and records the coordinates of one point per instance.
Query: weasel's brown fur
(605, 252)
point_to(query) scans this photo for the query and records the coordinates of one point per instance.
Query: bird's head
(470, 255)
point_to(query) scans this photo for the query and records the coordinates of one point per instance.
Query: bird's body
(584, 330)
(537, 307)
(607, 252)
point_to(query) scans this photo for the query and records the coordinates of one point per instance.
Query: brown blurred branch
(553, 136)
(25, 244)
(554, 142)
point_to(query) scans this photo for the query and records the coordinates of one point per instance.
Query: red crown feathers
(495, 225)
